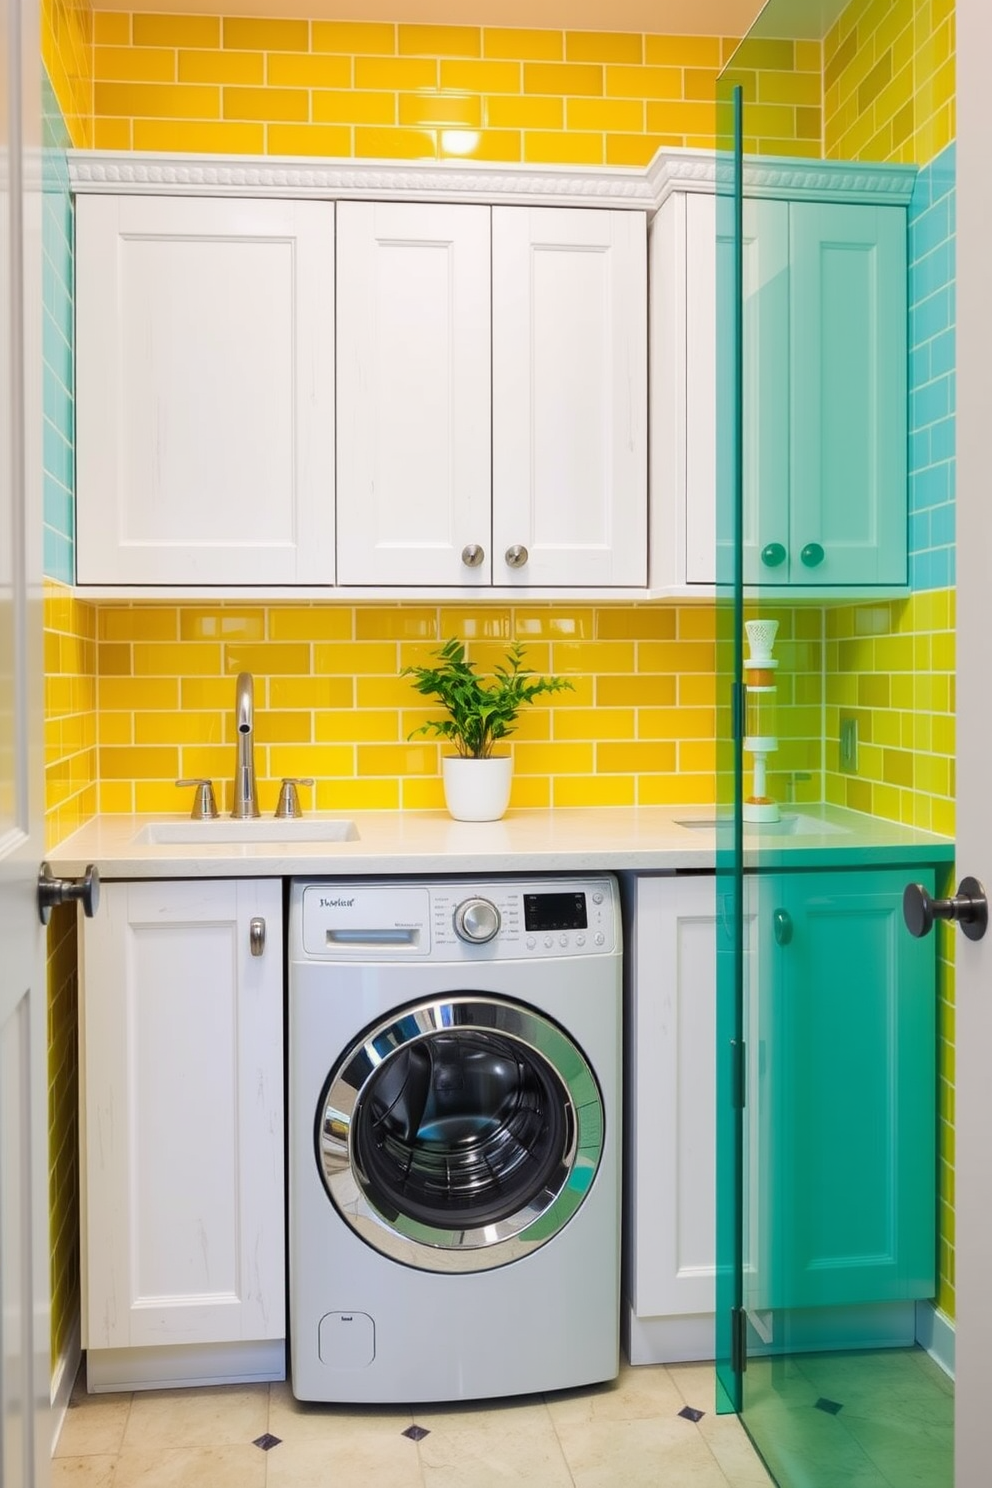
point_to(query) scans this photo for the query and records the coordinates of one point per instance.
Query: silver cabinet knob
(516, 556)
(473, 555)
(477, 920)
(53, 891)
(256, 935)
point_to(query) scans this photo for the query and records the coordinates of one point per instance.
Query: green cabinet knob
(812, 555)
(773, 555)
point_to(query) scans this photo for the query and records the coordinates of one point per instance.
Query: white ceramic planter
(477, 789)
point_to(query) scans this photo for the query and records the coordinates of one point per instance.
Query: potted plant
(477, 781)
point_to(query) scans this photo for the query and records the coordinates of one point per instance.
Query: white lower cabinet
(670, 1141)
(181, 1014)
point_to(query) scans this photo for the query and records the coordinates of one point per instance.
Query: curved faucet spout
(245, 793)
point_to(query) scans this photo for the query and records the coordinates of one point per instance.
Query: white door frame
(973, 1249)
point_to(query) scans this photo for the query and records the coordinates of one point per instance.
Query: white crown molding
(144, 173)
(216, 175)
(782, 178)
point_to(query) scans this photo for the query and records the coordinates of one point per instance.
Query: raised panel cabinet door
(709, 376)
(569, 397)
(182, 1115)
(671, 1053)
(849, 411)
(413, 362)
(841, 1100)
(205, 391)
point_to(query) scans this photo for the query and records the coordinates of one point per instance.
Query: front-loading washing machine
(454, 1125)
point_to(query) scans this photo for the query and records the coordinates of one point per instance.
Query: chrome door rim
(477, 1247)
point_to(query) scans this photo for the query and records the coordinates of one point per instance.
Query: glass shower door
(827, 1016)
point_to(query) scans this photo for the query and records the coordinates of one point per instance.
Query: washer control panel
(458, 919)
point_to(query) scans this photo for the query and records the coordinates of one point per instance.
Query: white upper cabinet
(414, 461)
(492, 396)
(569, 397)
(205, 391)
(824, 428)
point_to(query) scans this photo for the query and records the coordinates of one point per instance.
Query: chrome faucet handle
(289, 797)
(204, 804)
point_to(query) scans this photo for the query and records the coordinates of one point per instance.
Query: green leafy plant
(478, 714)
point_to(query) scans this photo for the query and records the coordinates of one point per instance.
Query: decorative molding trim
(217, 175)
(145, 173)
(782, 178)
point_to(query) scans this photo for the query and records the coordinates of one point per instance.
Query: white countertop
(645, 839)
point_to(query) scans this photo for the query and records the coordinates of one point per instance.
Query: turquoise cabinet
(824, 397)
(841, 1099)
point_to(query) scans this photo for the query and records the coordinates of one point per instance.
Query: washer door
(460, 1134)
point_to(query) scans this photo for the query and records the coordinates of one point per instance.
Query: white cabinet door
(414, 463)
(569, 397)
(205, 391)
(182, 1114)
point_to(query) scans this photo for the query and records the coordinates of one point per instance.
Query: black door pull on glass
(782, 921)
(968, 907)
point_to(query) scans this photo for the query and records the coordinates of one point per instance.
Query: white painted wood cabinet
(492, 396)
(670, 1139)
(183, 1268)
(205, 391)
(824, 393)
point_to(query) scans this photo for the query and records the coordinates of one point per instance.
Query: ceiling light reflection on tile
(459, 141)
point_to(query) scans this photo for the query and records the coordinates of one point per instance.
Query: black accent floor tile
(267, 1442)
(830, 1406)
(416, 1433)
(691, 1414)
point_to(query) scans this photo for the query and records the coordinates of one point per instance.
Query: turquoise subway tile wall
(57, 343)
(931, 349)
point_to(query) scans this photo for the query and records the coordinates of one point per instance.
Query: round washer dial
(477, 920)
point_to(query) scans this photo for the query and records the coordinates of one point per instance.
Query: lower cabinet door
(841, 1101)
(182, 1114)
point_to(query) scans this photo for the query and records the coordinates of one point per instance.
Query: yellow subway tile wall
(889, 81)
(67, 53)
(71, 798)
(637, 727)
(782, 85)
(70, 712)
(285, 86)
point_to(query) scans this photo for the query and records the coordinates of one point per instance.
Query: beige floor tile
(696, 1383)
(93, 1471)
(640, 1454)
(504, 1443)
(390, 1462)
(93, 1424)
(639, 1392)
(294, 1420)
(192, 1467)
(731, 1446)
(212, 1416)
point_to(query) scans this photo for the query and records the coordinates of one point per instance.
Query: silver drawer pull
(517, 556)
(472, 555)
(256, 935)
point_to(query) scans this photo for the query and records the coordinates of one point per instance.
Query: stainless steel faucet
(245, 793)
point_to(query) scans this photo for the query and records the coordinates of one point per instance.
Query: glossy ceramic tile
(272, 85)
(628, 1431)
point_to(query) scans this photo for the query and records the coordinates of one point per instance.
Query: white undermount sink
(226, 829)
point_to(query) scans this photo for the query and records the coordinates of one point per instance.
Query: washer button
(580, 940)
(597, 898)
(548, 942)
(531, 942)
(599, 938)
(563, 940)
